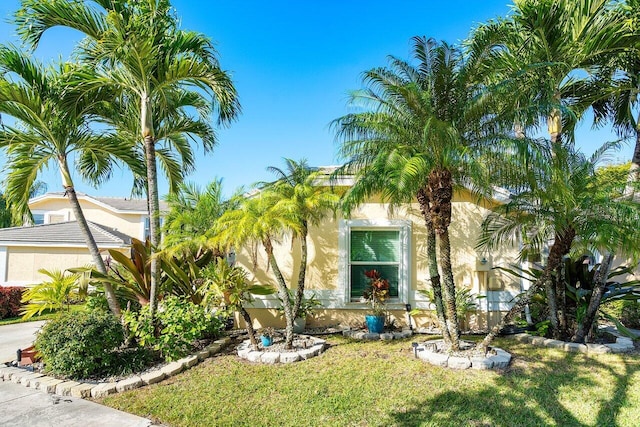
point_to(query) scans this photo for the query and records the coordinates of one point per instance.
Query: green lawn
(381, 384)
(46, 315)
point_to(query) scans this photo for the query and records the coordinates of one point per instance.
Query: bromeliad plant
(377, 292)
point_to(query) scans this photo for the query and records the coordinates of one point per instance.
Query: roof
(62, 234)
(116, 204)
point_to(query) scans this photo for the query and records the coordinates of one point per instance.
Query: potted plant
(376, 294)
(307, 307)
(267, 335)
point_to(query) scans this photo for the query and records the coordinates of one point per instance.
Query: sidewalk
(23, 406)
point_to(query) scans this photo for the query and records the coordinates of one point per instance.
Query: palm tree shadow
(529, 393)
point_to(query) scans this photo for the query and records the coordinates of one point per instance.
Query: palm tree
(192, 214)
(259, 220)
(52, 128)
(140, 51)
(419, 139)
(557, 200)
(299, 192)
(537, 57)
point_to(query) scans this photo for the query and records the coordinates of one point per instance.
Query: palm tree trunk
(634, 170)
(440, 191)
(562, 299)
(154, 219)
(561, 246)
(283, 292)
(432, 260)
(70, 192)
(552, 302)
(303, 269)
(596, 297)
(449, 290)
(250, 330)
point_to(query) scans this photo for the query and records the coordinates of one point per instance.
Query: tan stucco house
(55, 242)
(341, 249)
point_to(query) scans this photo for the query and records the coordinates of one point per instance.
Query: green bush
(179, 324)
(81, 344)
(627, 311)
(10, 303)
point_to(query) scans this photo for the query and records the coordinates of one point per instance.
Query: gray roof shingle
(117, 203)
(67, 233)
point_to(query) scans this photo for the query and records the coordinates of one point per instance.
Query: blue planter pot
(375, 324)
(266, 341)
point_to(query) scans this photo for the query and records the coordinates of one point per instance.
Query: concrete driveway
(18, 335)
(22, 406)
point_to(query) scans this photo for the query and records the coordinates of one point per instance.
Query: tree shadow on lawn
(533, 392)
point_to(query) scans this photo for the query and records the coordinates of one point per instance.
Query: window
(381, 245)
(374, 250)
(38, 218)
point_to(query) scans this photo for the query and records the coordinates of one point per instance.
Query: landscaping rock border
(85, 390)
(364, 335)
(431, 352)
(246, 351)
(622, 344)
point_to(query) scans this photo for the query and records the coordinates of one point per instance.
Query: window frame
(344, 258)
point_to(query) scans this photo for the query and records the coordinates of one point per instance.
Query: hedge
(10, 303)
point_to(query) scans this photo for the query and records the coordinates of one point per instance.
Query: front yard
(380, 384)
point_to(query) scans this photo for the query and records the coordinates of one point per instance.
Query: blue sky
(293, 63)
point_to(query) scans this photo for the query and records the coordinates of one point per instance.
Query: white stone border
(82, 390)
(427, 351)
(622, 344)
(360, 334)
(246, 351)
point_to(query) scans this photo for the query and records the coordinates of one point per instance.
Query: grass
(46, 315)
(381, 384)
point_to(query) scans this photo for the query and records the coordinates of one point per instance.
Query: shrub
(179, 324)
(10, 301)
(627, 311)
(81, 344)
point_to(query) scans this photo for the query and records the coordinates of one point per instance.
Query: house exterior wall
(324, 263)
(22, 263)
(131, 224)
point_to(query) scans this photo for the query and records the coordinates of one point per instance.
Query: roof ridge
(104, 230)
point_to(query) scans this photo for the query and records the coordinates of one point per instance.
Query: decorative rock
(538, 340)
(49, 386)
(481, 363)
(371, 336)
(35, 383)
(103, 389)
(82, 390)
(500, 362)
(619, 348)
(16, 377)
(386, 337)
(522, 337)
(597, 349)
(27, 379)
(359, 335)
(64, 388)
(254, 356)
(307, 353)
(437, 359)
(213, 348)
(8, 371)
(223, 341)
(289, 357)
(459, 362)
(397, 335)
(152, 377)
(555, 344)
(172, 368)
(624, 340)
(574, 347)
(406, 333)
(203, 354)
(270, 358)
(188, 361)
(128, 384)
(244, 352)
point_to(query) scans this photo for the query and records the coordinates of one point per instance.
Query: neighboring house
(55, 242)
(341, 249)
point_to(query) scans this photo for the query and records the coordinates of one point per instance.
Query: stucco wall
(323, 260)
(23, 263)
(130, 224)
